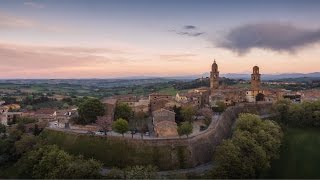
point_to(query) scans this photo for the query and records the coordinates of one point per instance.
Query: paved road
(55, 126)
(196, 170)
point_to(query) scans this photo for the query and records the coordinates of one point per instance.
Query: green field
(300, 155)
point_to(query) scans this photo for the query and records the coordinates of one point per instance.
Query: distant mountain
(137, 79)
(315, 75)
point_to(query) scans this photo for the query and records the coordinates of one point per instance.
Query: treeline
(248, 153)
(203, 82)
(26, 155)
(306, 114)
(192, 84)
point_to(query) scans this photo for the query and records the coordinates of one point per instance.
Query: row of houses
(160, 107)
(42, 115)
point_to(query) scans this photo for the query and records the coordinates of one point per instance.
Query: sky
(121, 38)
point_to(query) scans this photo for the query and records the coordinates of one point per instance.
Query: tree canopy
(188, 113)
(49, 162)
(185, 129)
(89, 110)
(306, 114)
(219, 107)
(120, 126)
(3, 128)
(104, 123)
(123, 111)
(141, 172)
(253, 145)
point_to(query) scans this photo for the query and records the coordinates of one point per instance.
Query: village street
(54, 125)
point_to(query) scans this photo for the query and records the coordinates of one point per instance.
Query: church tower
(255, 79)
(214, 76)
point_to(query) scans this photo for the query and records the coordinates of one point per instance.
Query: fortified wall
(166, 154)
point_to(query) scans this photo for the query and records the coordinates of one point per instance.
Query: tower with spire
(214, 77)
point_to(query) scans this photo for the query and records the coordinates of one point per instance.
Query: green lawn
(300, 155)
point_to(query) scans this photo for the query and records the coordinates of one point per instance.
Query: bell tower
(255, 79)
(214, 76)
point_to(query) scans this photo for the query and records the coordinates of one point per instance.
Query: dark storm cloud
(272, 36)
(190, 33)
(189, 27)
(188, 30)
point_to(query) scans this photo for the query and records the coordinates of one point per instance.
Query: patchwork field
(300, 157)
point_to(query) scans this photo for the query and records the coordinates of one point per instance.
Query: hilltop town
(157, 128)
(157, 115)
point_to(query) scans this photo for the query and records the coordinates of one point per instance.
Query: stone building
(110, 104)
(214, 77)
(228, 95)
(158, 101)
(251, 95)
(127, 99)
(255, 79)
(197, 97)
(143, 105)
(164, 123)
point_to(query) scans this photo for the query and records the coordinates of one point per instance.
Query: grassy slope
(300, 157)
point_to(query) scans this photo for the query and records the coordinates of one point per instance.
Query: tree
(36, 130)
(123, 111)
(25, 144)
(281, 108)
(220, 107)
(89, 110)
(185, 129)
(26, 120)
(187, 113)
(120, 126)
(207, 113)
(65, 106)
(50, 162)
(3, 128)
(228, 156)
(81, 168)
(253, 145)
(260, 97)
(105, 123)
(141, 172)
(178, 116)
(21, 127)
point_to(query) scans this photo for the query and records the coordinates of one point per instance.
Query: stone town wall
(166, 153)
(200, 148)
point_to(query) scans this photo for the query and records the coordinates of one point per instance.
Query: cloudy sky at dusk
(118, 38)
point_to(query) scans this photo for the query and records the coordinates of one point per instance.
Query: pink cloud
(34, 5)
(14, 22)
(30, 61)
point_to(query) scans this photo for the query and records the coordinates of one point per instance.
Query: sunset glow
(108, 39)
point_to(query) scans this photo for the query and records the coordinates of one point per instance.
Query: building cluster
(8, 114)
(232, 95)
(161, 106)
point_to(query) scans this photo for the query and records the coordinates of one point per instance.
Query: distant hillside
(311, 76)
